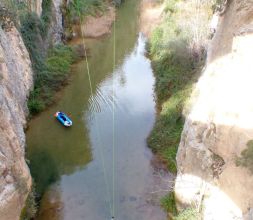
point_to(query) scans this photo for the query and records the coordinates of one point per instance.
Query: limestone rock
(220, 123)
(16, 80)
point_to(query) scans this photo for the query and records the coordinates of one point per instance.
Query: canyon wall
(16, 80)
(219, 124)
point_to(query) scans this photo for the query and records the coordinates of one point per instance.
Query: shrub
(88, 7)
(246, 159)
(177, 53)
(35, 105)
(168, 203)
(188, 214)
(170, 6)
(45, 17)
(50, 67)
(30, 209)
(50, 78)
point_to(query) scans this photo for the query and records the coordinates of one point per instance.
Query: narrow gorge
(169, 83)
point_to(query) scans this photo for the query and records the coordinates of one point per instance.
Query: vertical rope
(113, 116)
(95, 118)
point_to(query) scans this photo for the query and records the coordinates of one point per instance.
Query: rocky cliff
(16, 80)
(56, 29)
(219, 125)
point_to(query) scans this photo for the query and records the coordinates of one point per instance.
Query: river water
(73, 167)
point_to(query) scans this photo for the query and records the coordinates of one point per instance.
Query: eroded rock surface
(16, 80)
(220, 124)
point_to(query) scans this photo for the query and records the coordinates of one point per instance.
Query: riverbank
(177, 59)
(52, 63)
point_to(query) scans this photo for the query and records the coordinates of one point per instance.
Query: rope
(111, 203)
(95, 118)
(113, 118)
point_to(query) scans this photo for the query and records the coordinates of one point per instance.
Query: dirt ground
(101, 25)
(150, 17)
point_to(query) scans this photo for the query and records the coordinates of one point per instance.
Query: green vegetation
(77, 10)
(189, 214)
(177, 49)
(30, 209)
(88, 7)
(176, 58)
(246, 159)
(220, 5)
(53, 73)
(50, 66)
(168, 203)
(45, 17)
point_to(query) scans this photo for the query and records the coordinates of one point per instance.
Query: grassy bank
(77, 10)
(50, 66)
(177, 54)
(177, 49)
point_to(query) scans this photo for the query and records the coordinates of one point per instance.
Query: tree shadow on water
(44, 170)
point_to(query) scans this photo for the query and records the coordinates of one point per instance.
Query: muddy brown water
(67, 163)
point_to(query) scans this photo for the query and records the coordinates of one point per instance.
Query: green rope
(96, 123)
(113, 119)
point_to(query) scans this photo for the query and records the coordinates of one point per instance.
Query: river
(67, 163)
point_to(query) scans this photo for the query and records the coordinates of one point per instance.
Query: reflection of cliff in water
(43, 169)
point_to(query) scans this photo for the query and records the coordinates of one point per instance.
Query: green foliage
(45, 17)
(170, 6)
(44, 171)
(188, 214)
(220, 5)
(35, 105)
(59, 60)
(7, 18)
(50, 67)
(88, 7)
(10, 12)
(30, 31)
(246, 159)
(50, 78)
(173, 85)
(168, 203)
(30, 209)
(175, 65)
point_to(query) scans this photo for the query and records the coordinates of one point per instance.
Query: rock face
(220, 124)
(16, 80)
(56, 29)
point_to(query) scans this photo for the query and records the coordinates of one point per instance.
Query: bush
(168, 203)
(84, 8)
(45, 17)
(246, 159)
(50, 67)
(50, 78)
(188, 214)
(30, 209)
(176, 58)
(35, 105)
(170, 6)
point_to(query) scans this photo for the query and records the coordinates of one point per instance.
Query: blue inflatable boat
(64, 119)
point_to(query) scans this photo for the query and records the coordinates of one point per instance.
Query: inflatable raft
(64, 119)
